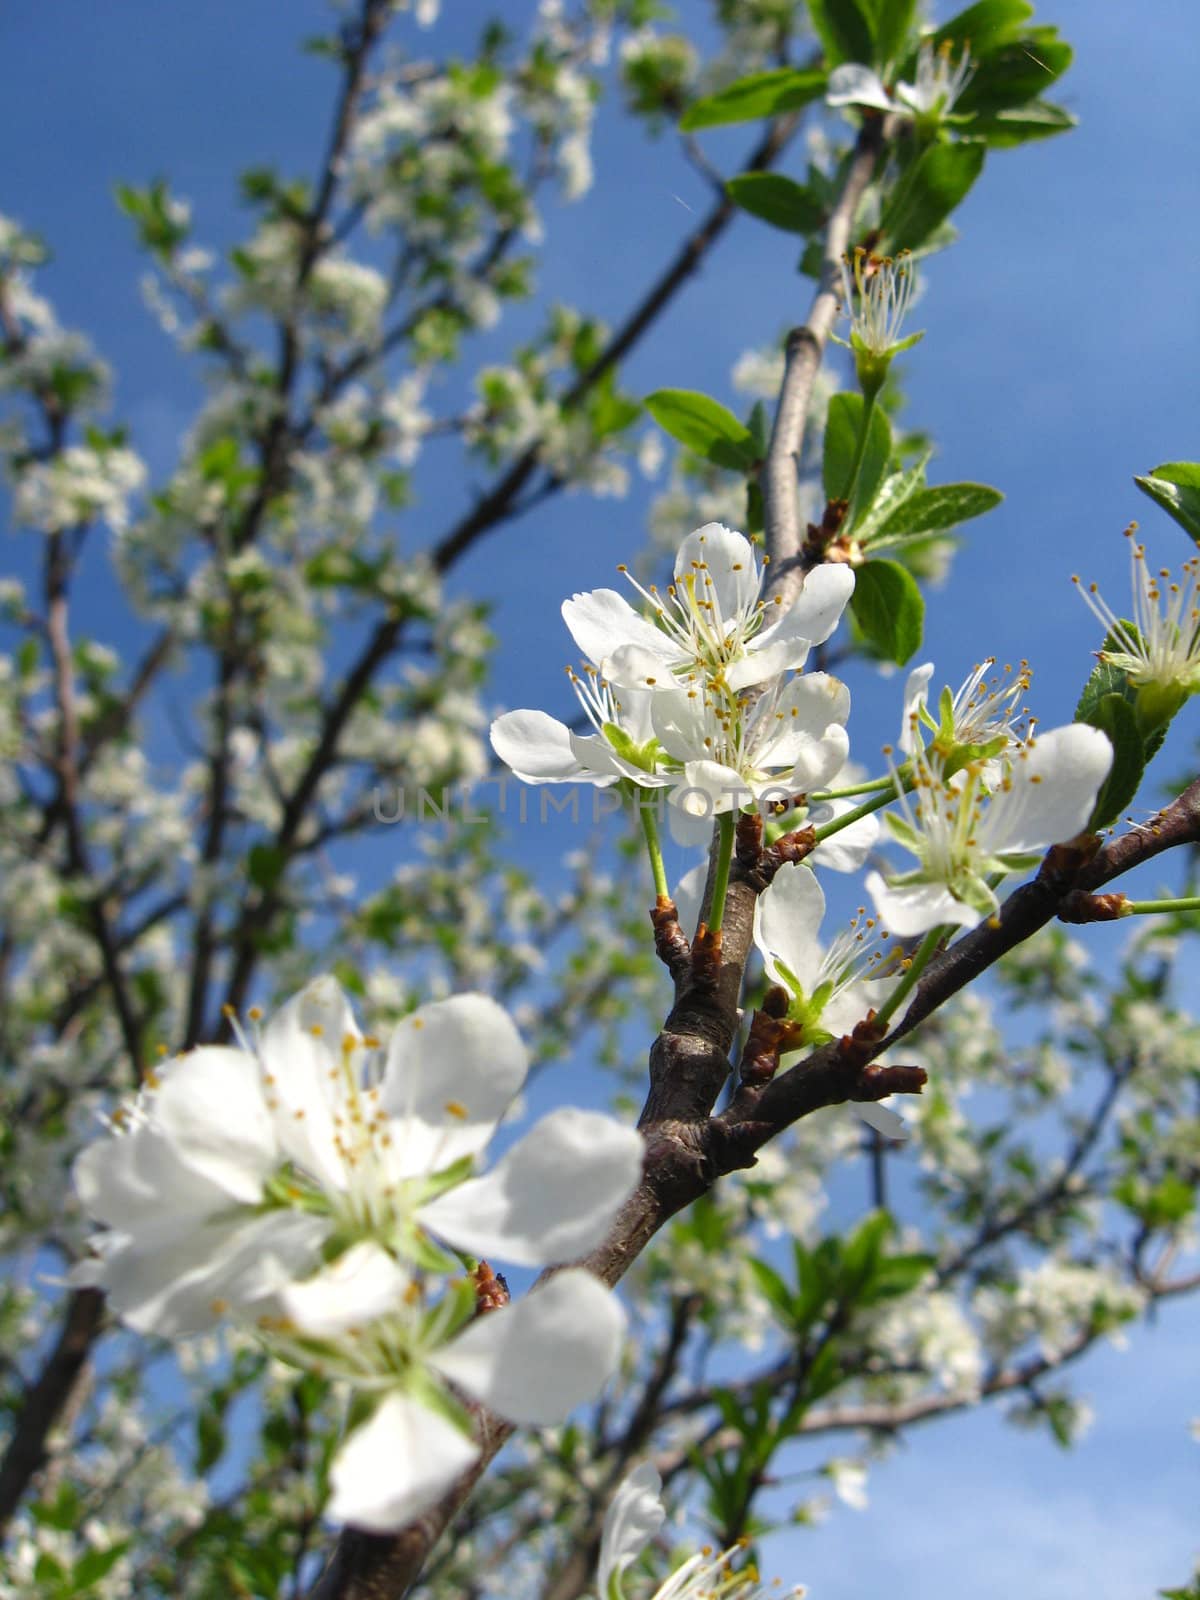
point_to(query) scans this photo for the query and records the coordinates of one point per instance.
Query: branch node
(877, 1082)
(670, 942)
(491, 1290)
(706, 957)
(792, 847)
(770, 1035)
(1079, 906)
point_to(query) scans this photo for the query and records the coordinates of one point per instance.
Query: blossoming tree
(256, 1331)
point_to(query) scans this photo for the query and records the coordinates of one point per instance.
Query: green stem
(869, 787)
(908, 982)
(650, 829)
(726, 823)
(903, 782)
(1146, 908)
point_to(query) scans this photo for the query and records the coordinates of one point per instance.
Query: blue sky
(1059, 360)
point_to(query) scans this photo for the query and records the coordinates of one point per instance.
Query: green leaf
(777, 200)
(762, 94)
(94, 1565)
(704, 426)
(932, 510)
(1038, 119)
(842, 427)
(1114, 716)
(1018, 71)
(1175, 486)
(265, 865)
(897, 1275)
(889, 608)
(843, 29)
(891, 494)
(929, 191)
(986, 26)
(774, 1289)
(893, 20)
(210, 1438)
(1104, 680)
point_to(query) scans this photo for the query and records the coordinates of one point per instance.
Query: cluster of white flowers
(704, 703)
(341, 300)
(706, 700)
(1057, 1303)
(78, 485)
(327, 1198)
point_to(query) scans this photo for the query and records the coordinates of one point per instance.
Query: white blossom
(713, 621)
(1159, 648)
(961, 832)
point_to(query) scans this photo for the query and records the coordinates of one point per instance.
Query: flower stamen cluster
(1159, 649)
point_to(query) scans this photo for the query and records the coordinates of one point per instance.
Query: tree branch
(805, 349)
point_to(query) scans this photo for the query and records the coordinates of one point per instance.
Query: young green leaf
(892, 24)
(933, 510)
(761, 94)
(777, 200)
(983, 28)
(889, 608)
(1038, 119)
(936, 182)
(842, 428)
(1116, 718)
(1175, 486)
(704, 426)
(844, 29)
(1017, 72)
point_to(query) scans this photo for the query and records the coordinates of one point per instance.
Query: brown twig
(805, 349)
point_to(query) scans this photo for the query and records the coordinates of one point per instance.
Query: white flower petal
(362, 1284)
(552, 1198)
(396, 1465)
(536, 746)
(692, 831)
(212, 1108)
(633, 666)
(914, 908)
(302, 1053)
(787, 916)
(603, 766)
(535, 1361)
(882, 1118)
(853, 84)
(602, 621)
(128, 1179)
(635, 1514)
(916, 696)
(707, 789)
(1055, 781)
(452, 1069)
(722, 564)
(846, 850)
(813, 616)
(679, 723)
(179, 1283)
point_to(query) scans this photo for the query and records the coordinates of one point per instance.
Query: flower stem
(870, 787)
(908, 982)
(654, 849)
(902, 784)
(1144, 908)
(726, 823)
